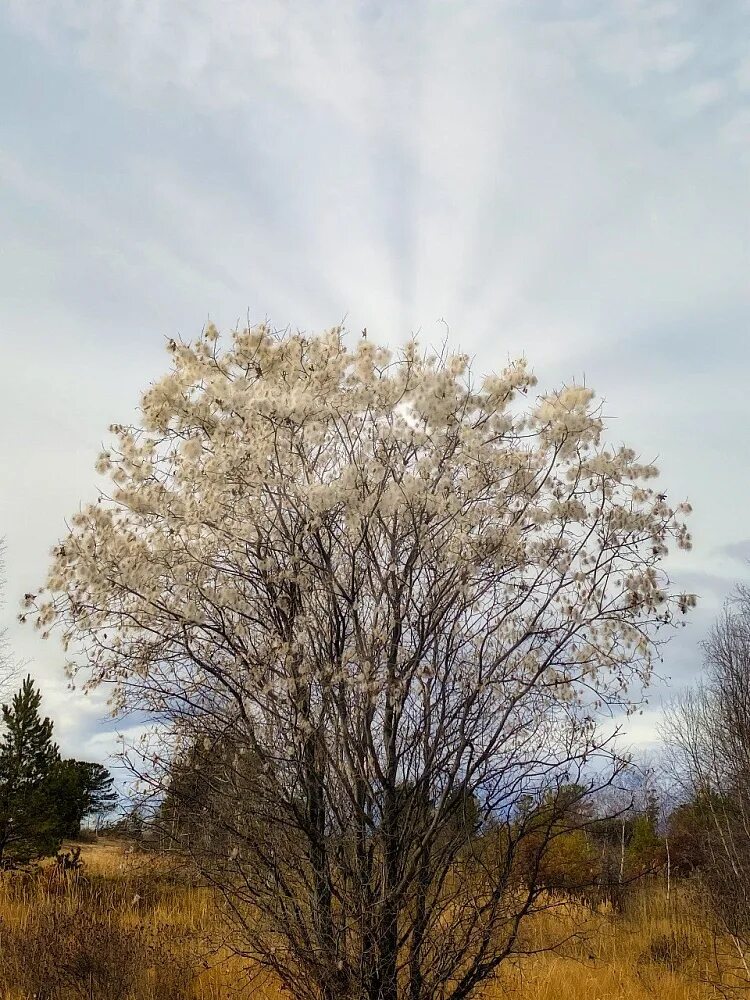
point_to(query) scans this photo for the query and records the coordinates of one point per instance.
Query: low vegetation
(130, 926)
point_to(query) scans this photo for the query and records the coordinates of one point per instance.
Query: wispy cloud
(562, 179)
(738, 550)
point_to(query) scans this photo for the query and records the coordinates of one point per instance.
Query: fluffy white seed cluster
(285, 480)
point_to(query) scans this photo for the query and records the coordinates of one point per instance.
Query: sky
(563, 179)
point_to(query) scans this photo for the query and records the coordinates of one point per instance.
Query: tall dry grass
(129, 929)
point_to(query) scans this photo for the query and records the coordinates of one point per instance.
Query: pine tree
(29, 825)
(81, 788)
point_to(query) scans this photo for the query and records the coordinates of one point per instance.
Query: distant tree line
(44, 798)
(595, 846)
(568, 840)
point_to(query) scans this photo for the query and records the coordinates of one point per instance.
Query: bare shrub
(708, 733)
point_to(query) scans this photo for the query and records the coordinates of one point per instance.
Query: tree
(707, 730)
(98, 795)
(28, 818)
(384, 591)
(81, 789)
(555, 851)
(688, 830)
(42, 798)
(188, 814)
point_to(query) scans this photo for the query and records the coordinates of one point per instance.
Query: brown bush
(69, 948)
(63, 953)
(672, 950)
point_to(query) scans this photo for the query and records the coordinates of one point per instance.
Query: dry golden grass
(659, 948)
(137, 934)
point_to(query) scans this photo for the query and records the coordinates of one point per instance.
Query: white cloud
(222, 53)
(705, 94)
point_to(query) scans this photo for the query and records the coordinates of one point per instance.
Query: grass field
(123, 931)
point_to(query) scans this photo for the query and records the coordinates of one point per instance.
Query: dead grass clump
(95, 937)
(60, 952)
(673, 950)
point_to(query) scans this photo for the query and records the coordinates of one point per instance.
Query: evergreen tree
(80, 789)
(29, 824)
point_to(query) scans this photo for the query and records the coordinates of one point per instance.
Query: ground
(130, 927)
